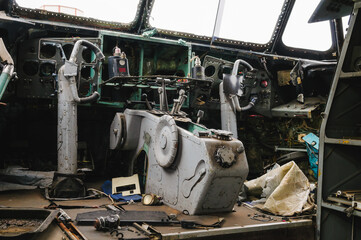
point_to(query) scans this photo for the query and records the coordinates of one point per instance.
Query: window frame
(40, 14)
(275, 44)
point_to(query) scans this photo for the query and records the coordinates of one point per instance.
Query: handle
(236, 65)
(86, 43)
(73, 70)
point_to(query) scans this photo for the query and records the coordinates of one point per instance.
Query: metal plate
(19, 221)
(128, 217)
(294, 109)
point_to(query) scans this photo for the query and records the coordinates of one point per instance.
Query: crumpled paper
(286, 190)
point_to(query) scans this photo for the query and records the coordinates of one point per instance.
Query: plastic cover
(286, 190)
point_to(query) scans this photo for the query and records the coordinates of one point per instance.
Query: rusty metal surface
(11, 226)
(14, 222)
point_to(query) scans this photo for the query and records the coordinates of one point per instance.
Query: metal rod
(141, 60)
(290, 149)
(66, 230)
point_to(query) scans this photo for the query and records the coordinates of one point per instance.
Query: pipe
(66, 230)
(8, 70)
(245, 108)
(228, 116)
(88, 44)
(236, 64)
(4, 54)
(5, 78)
(76, 97)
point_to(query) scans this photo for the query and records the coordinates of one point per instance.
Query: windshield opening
(301, 34)
(250, 21)
(197, 17)
(123, 11)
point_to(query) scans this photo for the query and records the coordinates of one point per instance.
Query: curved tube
(88, 44)
(8, 70)
(236, 64)
(74, 92)
(245, 108)
(90, 98)
(5, 78)
(4, 54)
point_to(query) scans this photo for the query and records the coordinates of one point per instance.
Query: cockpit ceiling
(331, 9)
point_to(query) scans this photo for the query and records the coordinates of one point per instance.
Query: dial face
(148, 199)
(121, 62)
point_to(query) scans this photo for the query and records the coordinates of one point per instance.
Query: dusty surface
(240, 218)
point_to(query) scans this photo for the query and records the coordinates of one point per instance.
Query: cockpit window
(250, 20)
(301, 34)
(345, 24)
(247, 20)
(122, 11)
(188, 16)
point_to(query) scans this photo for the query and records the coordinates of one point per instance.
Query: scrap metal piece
(350, 198)
(148, 230)
(128, 217)
(66, 223)
(262, 217)
(192, 224)
(222, 134)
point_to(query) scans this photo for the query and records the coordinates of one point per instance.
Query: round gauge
(210, 70)
(122, 62)
(148, 199)
(47, 69)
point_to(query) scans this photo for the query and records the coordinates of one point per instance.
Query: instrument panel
(39, 61)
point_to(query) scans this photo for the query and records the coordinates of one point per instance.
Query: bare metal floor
(237, 224)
